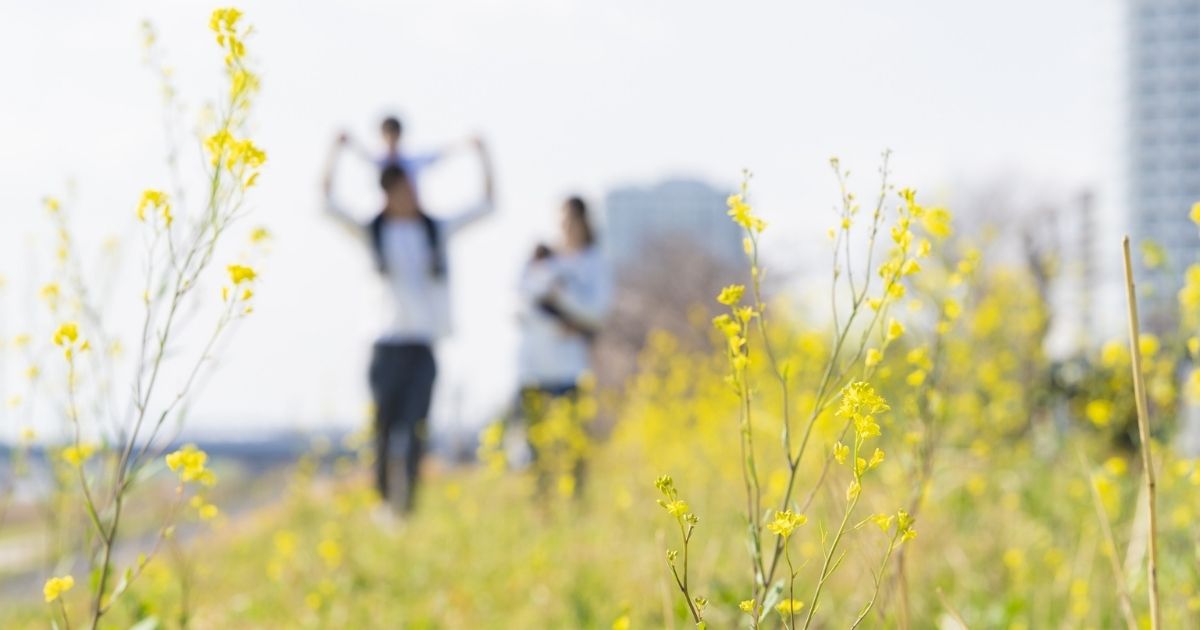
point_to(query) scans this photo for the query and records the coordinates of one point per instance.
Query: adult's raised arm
(329, 203)
(358, 149)
(487, 205)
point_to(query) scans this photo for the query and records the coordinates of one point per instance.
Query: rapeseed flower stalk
(687, 522)
(847, 361)
(180, 247)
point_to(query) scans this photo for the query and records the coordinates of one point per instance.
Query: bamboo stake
(1143, 417)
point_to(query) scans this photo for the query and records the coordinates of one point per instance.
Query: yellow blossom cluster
(260, 235)
(789, 607)
(742, 214)
(671, 502)
(205, 510)
(240, 156)
(190, 463)
(55, 587)
(158, 202)
(239, 275)
(734, 326)
(904, 525)
(902, 258)
(77, 454)
(224, 23)
(860, 404)
(785, 522)
(67, 338)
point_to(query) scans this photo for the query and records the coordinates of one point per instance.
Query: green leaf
(126, 578)
(771, 600)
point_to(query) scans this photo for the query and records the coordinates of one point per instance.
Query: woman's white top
(551, 353)
(419, 301)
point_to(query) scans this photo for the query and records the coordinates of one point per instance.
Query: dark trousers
(401, 378)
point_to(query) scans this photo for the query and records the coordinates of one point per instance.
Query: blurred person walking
(409, 249)
(565, 293)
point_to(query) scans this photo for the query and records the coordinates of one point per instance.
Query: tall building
(1163, 38)
(677, 212)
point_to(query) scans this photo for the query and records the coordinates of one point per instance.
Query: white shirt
(419, 301)
(551, 353)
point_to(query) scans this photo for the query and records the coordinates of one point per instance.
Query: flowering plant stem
(167, 287)
(1110, 542)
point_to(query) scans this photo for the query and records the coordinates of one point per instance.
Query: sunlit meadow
(908, 457)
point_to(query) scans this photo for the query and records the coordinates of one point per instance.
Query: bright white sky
(572, 96)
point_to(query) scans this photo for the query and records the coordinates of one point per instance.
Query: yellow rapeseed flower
(77, 454)
(860, 397)
(936, 221)
(241, 273)
(1099, 412)
(50, 292)
(56, 586)
(742, 214)
(67, 334)
(285, 543)
(731, 294)
(242, 82)
(1116, 466)
(260, 235)
(788, 607)
(727, 326)
(840, 452)
(1153, 254)
(189, 462)
(951, 309)
(676, 508)
(330, 552)
(904, 524)
(224, 19)
(156, 200)
(876, 459)
(874, 357)
(786, 522)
